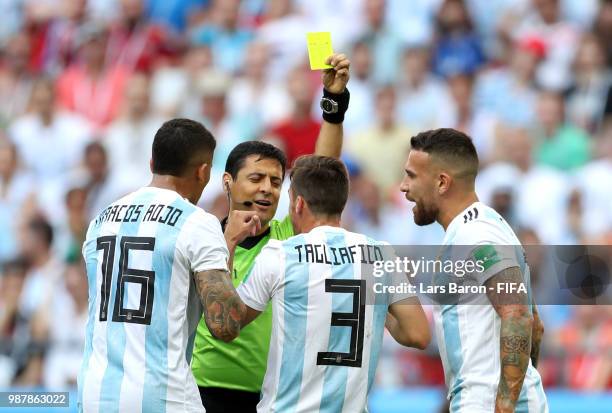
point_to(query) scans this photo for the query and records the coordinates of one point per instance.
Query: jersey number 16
(146, 279)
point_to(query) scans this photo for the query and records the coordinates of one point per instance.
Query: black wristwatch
(334, 105)
(328, 105)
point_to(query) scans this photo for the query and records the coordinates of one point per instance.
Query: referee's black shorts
(220, 400)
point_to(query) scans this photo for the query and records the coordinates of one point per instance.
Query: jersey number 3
(146, 279)
(354, 320)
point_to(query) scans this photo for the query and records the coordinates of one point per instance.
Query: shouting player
(486, 344)
(149, 256)
(325, 339)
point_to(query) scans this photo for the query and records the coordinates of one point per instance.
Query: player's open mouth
(263, 203)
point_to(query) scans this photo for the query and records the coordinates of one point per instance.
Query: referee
(230, 375)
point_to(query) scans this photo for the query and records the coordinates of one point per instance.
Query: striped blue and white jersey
(325, 339)
(468, 334)
(140, 254)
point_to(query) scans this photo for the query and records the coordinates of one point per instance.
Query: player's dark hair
(42, 229)
(237, 157)
(177, 143)
(450, 145)
(323, 183)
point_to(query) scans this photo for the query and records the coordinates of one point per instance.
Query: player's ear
(226, 181)
(444, 182)
(300, 204)
(151, 164)
(203, 173)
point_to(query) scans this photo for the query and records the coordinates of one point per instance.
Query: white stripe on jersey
(273, 368)
(132, 386)
(92, 381)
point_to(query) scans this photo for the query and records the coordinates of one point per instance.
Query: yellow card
(319, 49)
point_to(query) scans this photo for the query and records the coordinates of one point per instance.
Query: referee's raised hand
(336, 78)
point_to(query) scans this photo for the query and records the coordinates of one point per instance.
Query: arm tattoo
(513, 344)
(515, 339)
(223, 308)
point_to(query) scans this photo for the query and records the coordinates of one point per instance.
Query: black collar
(248, 242)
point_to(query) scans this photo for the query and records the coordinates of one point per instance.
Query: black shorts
(220, 400)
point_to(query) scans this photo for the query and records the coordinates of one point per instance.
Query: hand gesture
(335, 79)
(240, 225)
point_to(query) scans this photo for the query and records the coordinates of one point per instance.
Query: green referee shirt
(241, 363)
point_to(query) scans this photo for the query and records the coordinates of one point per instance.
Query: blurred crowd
(84, 85)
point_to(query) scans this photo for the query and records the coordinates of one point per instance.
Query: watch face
(327, 105)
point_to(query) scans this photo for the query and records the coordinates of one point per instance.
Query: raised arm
(329, 141)
(515, 337)
(407, 323)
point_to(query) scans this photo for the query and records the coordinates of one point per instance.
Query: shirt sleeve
(206, 248)
(489, 248)
(263, 280)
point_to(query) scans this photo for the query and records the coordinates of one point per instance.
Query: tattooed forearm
(515, 340)
(223, 308)
(514, 352)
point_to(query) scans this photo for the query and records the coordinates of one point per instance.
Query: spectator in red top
(92, 87)
(299, 132)
(585, 343)
(137, 44)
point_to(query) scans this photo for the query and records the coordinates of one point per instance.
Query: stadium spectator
(49, 141)
(224, 34)
(254, 98)
(585, 342)
(509, 92)
(13, 327)
(44, 267)
(137, 44)
(457, 49)
(93, 78)
(592, 82)
(603, 28)
(561, 37)
(66, 341)
(128, 139)
(59, 46)
(423, 100)
(174, 88)
(465, 116)
(298, 133)
(384, 143)
(280, 16)
(213, 87)
(15, 78)
(101, 183)
(558, 143)
(16, 187)
(386, 45)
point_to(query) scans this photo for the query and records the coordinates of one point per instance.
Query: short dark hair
(42, 229)
(452, 146)
(176, 144)
(235, 160)
(322, 181)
